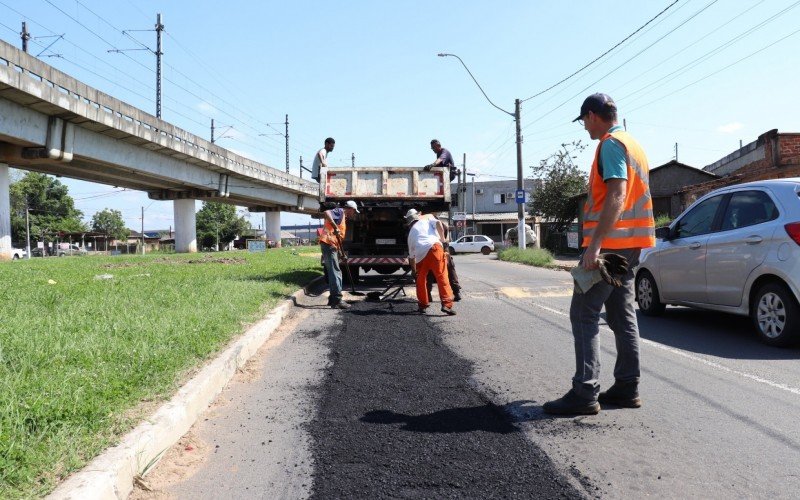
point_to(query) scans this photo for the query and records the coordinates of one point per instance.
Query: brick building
(773, 155)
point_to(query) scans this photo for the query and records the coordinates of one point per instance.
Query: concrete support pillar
(273, 229)
(185, 226)
(5, 213)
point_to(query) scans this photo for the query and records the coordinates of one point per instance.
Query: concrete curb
(111, 474)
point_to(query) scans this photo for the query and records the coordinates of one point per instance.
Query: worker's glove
(613, 268)
(428, 167)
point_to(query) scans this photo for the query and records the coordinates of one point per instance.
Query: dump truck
(377, 238)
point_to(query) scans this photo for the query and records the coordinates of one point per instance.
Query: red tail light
(794, 231)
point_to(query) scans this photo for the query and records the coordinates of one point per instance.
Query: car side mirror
(663, 233)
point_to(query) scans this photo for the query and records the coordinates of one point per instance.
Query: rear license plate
(386, 241)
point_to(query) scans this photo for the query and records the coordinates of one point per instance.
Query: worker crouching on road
(330, 242)
(426, 253)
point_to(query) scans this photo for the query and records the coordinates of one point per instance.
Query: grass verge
(539, 257)
(88, 345)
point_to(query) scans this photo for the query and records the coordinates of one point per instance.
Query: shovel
(347, 268)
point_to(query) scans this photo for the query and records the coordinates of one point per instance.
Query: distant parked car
(17, 254)
(65, 249)
(472, 243)
(737, 250)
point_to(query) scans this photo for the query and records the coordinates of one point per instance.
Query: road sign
(520, 196)
(459, 216)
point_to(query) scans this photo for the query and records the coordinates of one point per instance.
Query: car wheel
(486, 250)
(61, 254)
(647, 295)
(15, 257)
(776, 315)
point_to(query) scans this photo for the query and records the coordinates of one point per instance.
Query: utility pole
(287, 144)
(212, 131)
(28, 231)
(142, 230)
(25, 37)
(462, 187)
(353, 160)
(516, 115)
(676, 151)
(301, 167)
(159, 53)
(520, 206)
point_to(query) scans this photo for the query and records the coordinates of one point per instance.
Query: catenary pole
(287, 143)
(25, 36)
(159, 53)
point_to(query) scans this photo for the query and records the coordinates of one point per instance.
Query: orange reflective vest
(328, 237)
(635, 227)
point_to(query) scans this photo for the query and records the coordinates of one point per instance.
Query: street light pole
(516, 115)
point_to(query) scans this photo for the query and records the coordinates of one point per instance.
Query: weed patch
(539, 257)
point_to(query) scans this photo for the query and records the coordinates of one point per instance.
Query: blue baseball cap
(596, 103)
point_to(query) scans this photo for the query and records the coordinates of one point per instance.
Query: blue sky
(705, 74)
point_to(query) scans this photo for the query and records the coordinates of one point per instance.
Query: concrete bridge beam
(273, 229)
(5, 213)
(185, 226)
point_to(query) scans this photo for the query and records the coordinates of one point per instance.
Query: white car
(472, 243)
(736, 250)
(17, 254)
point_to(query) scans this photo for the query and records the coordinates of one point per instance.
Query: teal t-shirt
(613, 158)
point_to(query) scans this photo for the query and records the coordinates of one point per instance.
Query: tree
(218, 225)
(110, 223)
(561, 181)
(52, 209)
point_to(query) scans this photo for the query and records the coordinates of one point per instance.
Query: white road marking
(712, 364)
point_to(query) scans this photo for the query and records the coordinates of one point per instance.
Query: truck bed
(380, 184)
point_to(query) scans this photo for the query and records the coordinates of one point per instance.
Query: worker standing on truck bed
(443, 159)
(330, 241)
(426, 253)
(321, 158)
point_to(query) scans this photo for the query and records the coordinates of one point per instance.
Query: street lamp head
(442, 54)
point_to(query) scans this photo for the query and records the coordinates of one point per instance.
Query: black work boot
(571, 404)
(622, 394)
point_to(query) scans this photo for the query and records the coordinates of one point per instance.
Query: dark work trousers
(584, 315)
(451, 273)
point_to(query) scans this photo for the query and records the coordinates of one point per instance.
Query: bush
(663, 220)
(530, 256)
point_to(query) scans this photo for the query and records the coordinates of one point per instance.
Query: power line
(664, 80)
(683, 23)
(719, 70)
(640, 28)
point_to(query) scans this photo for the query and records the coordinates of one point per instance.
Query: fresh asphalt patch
(397, 417)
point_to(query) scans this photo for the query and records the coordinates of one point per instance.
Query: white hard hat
(352, 204)
(411, 215)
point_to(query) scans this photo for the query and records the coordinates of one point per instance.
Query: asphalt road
(380, 402)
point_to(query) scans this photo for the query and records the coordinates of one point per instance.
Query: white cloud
(730, 128)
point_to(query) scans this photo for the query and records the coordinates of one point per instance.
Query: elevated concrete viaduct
(52, 123)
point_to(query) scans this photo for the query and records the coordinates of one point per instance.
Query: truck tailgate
(384, 183)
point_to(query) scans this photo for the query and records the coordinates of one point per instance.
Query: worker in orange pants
(426, 254)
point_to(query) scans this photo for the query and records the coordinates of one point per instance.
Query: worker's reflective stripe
(623, 232)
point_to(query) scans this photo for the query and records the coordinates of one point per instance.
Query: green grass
(539, 257)
(83, 359)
